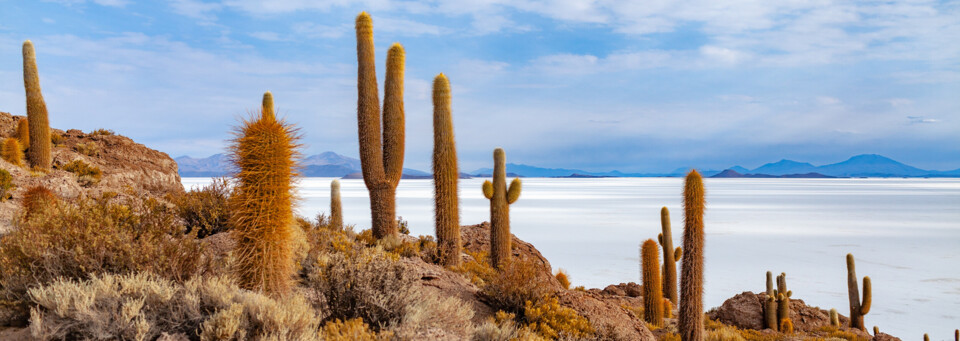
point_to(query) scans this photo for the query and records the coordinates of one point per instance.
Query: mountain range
(330, 164)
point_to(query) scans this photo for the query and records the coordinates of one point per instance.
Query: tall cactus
(770, 305)
(835, 318)
(500, 199)
(336, 208)
(690, 319)
(858, 308)
(23, 133)
(39, 152)
(670, 257)
(265, 153)
(381, 150)
(652, 294)
(783, 298)
(445, 175)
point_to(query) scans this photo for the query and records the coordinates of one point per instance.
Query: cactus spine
(690, 319)
(381, 150)
(652, 294)
(265, 153)
(11, 152)
(500, 199)
(835, 318)
(770, 305)
(23, 133)
(858, 308)
(670, 257)
(445, 175)
(336, 209)
(39, 152)
(783, 298)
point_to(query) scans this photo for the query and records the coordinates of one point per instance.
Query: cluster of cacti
(500, 197)
(445, 175)
(336, 207)
(670, 257)
(23, 133)
(690, 319)
(858, 308)
(265, 153)
(835, 319)
(652, 294)
(381, 149)
(39, 151)
(11, 152)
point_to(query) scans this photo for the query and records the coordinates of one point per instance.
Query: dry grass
(553, 321)
(352, 330)
(563, 277)
(102, 132)
(6, 184)
(141, 306)
(477, 269)
(511, 288)
(87, 148)
(87, 175)
(503, 327)
(204, 211)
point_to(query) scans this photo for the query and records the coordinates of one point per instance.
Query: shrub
(141, 306)
(503, 327)
(55, 138)
(516, 283)
(102, 132)
(205, 210)
(352, 330)
(11, 152)
(551, 320)
(6, 184)
(37, 198)
(477, 269)
(73, 240)
(87, 175)
(87, 148)
(563, 278)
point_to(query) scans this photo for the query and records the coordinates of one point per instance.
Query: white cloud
(827, 100)
(722, 54)
(314, 30)
(196, 9)
(48, 21)
(110, 3)
(267, 36)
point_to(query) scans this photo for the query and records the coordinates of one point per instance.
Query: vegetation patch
(87, 175)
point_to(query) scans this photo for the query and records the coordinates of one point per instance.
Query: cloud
(110, 3)
(722, 54)
(268, 36)
(827, 100)
(314, 30)
(196, 9)
(921, 120)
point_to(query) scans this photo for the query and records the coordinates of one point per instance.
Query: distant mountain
(783, 167)
(871, 165)
(327, 164)
(730, 173)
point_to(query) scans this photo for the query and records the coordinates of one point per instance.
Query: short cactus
(926, 337)
(336, 208)
(670, 257)
(876, 330)
(835, 318)
(858, 308)
(786, 326)
(38, 153)
(783, 298)
(23, 133)
(956, 334)
(667, 308)
(11, 152)
(652, 294)
(261, 208)
(445, 175)
(381, 150)
(266, 107)
(690, 319)
(500, 197)
(770, 305)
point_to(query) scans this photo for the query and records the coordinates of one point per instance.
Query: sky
(637, 86)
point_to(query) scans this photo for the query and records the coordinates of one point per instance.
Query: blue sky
(641, 86)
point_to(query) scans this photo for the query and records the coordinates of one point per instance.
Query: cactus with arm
(500, 197)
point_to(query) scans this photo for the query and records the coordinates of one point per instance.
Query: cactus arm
(660, 239)
(266, 109)
(677, 253)
(393, 115)
(867, 296)
(368, 106)
(488, 189)
(513, 193)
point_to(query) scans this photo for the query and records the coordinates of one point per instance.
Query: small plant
(667, 308)
(563, 278)
(515, 284)
(102, 132)
(858, 308)
(36, 199)
(6, 184)
(336, 207)
(652, 293)
(11, 152)
(690, 319)
(204, 211)
(23, 133)
(670, 256)
(553, 321)
(500, 197)
(40, 139)
(56, 139)
(87, 175)
(352, 330)
(87, 148)
(786, 326)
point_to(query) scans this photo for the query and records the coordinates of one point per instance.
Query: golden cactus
(39, 151)
(266, 107)
(265, 154)
(670, 257)
(446, 174)
(23, 133)
(381, 150)
(690, 319)
(858, 308)
(500, 199)
(336, 207)
(11, 152)
(652, 294)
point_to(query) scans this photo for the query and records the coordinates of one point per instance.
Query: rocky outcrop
(476, 238)
(745, 310)
(128, 168)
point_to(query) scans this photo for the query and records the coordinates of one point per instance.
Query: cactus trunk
(783, 298)
(770, 306)
(336, 208)
(445, 175)
(265, 154)
(857, 308)
(652, 293)
(669, 262)
(500, 197)
(834, 318)
(381, 151)
(690, 319)
(23, 133)
(38, 153)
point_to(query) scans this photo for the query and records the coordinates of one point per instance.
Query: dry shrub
(102, 132)
(516, 283)
(35, 199)
(87, 148)
(503, 327)
(719, 331)
(6, 184)
(551, 320)
(87, 175)
(141, 306)
(670, 337)
(73, 240)
(56, 139)
(836, 333)
(477, 269)
(11, 151)
(563, 277)
(205, 210)
(352, 330)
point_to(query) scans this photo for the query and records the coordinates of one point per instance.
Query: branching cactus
(381, 149)
(783, 298)
(770, 305)
(336, 208)
(445, 175)
(858, 308)
(690, 319)
(265, 153)
(500, 197)
(38, 153)
(670, 257)
(652, 294)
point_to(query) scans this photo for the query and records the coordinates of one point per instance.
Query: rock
(614, 290)
(476, 238)
(608, 317)
(437, 281)
(885, 337)
(624, 289)
(743, 310)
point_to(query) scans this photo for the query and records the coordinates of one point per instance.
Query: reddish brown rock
(743, 310)
(607, 316)
(476, 238)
